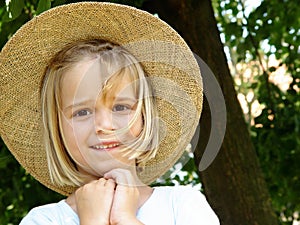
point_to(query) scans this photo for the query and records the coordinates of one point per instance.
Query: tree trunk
(233, 183)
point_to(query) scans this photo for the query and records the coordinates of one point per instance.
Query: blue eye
(120, 108)
(83, 112)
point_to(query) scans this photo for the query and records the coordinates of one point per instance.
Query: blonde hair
(117, 60)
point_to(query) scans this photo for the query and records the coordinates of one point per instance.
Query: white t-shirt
(177, 205)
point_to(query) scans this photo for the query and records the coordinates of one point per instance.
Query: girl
(111, 118)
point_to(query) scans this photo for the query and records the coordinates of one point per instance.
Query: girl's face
(88, 118)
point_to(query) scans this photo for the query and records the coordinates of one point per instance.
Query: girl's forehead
(85, 72)
(90, 79)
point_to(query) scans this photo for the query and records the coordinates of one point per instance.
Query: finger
(110, 183)
(93, 182)
(102, 181)
(121, 177)
(118, 176)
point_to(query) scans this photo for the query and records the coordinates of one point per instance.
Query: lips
(106, 146)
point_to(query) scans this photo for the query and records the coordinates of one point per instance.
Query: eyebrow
(121, 99)
(81, 103)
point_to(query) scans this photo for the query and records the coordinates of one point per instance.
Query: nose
(104, 121)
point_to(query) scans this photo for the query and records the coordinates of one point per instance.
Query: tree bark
(233, 183)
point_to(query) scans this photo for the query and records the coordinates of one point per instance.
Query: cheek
(137, 127)
(73, 141)
(73, 133)
(68, 134)
(120, 122)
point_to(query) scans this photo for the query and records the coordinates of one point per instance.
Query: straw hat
(163, 53)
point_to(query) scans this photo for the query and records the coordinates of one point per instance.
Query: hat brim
(166, 58)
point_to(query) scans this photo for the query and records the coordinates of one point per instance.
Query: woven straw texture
(163, 53)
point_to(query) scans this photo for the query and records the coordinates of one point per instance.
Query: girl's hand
(125, 202)
(94, 201)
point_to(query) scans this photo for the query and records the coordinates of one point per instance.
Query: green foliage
(43, 5)
(253, 38)
(13, 11)
(135, 3)
(19, 192)
(277, 141)
(182, 173)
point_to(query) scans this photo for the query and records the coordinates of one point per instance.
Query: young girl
(106, 112)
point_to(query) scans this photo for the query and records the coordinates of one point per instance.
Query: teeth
(105, 146)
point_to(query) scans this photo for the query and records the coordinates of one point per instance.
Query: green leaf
(58, 2)
(14, 10)
(9, 28)
(43, 6)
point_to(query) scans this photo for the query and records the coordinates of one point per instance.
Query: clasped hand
(111, 200)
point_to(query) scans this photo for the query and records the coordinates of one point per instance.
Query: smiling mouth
(105, 146)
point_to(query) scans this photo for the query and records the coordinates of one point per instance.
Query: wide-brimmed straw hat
(165, 56)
